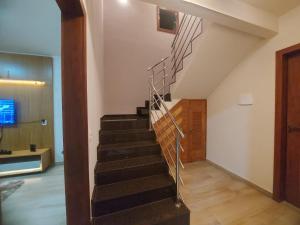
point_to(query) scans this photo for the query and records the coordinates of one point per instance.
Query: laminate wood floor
(40, 201)
(216, 198)
(213, 196)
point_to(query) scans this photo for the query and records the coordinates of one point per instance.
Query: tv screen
(7, 112)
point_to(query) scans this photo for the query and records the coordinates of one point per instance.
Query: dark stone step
(156, 106)
(125, 150)
(126, 123)
(147, 104)
(120, 116)
(119, 136)
(142, 111)
(167, 97)
(127, 194)
(157, 213)
(126, 169)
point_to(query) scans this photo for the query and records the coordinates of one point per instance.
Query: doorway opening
(31, 135)
(74, 110)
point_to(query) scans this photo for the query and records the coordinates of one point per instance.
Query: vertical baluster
(150, 103)
(150, 98)
(164, 79)
(178, 203)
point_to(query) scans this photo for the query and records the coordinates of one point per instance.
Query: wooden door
(292, 184)
(196, 134)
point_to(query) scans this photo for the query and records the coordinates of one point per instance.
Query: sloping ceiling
(31, 26)
(277, 7)
(218, 50)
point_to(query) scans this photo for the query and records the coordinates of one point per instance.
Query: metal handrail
(190, 43)
(185, 41)
(179, 30)
(167, 110)
(161, 61)
(179, 136)
(184, 32)
(162, 76)
(156, 102)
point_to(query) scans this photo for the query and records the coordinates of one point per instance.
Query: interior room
(31, 125)
(150, 112)
(209, 93)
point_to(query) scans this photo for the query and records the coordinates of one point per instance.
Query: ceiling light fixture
(123, 2)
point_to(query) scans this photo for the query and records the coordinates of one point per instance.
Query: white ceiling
(30, 27)
(277, 7)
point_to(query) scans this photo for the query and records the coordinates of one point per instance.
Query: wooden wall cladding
(191, 116)
(33, 103)
(196, 131)
(166, 133)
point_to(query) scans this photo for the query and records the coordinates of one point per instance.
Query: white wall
(95, 78)
(132, 44)
(241, 139)
(57, 108)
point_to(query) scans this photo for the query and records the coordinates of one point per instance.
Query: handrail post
(164, 80)
(150, 103)
(150, 99)
(178, 203)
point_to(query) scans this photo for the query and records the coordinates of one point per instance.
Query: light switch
(246, 100)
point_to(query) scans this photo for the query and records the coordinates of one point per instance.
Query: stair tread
(149, 214)
(130, 131)
(124, 145)
(128, 163)
(122, 117)
(131, 187)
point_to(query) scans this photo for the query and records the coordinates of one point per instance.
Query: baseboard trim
(291, 206)
(256, 187)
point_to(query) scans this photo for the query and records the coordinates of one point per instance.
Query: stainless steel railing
(165, 71)
(159, 111)
(163, 75)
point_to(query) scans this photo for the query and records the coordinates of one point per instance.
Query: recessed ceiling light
(123, 2)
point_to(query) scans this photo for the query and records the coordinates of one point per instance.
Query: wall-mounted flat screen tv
(7, 112)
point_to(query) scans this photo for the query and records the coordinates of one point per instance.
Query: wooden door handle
(292, 129)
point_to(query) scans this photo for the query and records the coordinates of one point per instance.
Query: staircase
(137, 176)
(132, 181)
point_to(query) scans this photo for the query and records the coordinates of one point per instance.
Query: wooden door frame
(75, 119)
(280, 122)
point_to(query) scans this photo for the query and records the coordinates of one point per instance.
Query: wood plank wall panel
(196, 133)
(33, 103)
(165, 133)
(183, 112)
